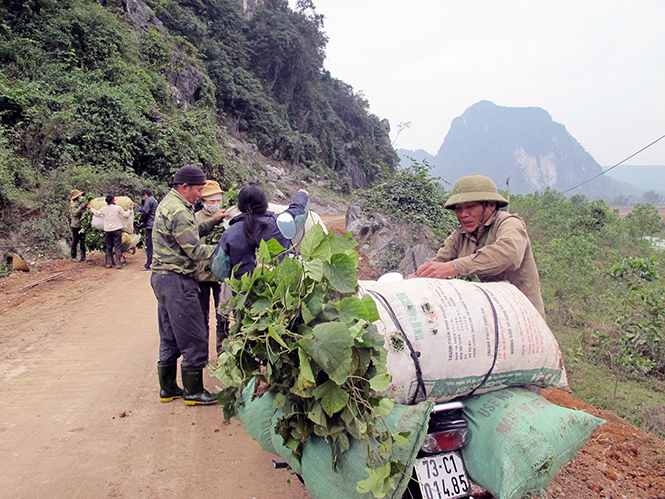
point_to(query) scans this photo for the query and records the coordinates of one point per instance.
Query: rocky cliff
(521, 144)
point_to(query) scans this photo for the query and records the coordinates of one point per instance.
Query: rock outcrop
(388, 245)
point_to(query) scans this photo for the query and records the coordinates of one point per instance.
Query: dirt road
(80, 413)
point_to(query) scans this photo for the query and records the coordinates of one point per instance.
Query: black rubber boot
(192, 383)
(169, 389)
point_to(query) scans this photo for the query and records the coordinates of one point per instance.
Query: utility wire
(612, 167)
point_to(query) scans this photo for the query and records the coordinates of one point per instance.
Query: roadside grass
(640, 400)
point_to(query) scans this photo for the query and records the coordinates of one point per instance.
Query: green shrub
(411, 196)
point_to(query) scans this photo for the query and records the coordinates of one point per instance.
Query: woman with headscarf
(113, 215)
(255, 224)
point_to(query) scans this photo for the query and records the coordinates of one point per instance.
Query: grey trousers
(182, 329)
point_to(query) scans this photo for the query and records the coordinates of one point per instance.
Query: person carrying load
(491, 244)
(113, 224)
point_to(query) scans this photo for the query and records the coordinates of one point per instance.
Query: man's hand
(437, 270)
(219, 215)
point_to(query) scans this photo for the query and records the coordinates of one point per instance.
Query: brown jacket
(500, 250)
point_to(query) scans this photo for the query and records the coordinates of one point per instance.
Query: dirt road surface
(80, 415)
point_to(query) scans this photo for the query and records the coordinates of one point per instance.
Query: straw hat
(18, 263)
(74, 194)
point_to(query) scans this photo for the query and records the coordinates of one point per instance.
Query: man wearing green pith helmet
(491, 244)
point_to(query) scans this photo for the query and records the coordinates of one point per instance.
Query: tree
(644, 220)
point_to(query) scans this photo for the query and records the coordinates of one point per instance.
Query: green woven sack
(520, 440)
(256, 415)
(324, 483)
(259, 417)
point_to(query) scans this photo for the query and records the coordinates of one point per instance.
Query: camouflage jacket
(499, 251)
(176, 237)
(75, 213)
(203, 273)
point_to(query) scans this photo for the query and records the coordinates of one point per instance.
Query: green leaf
(316, 415)
(330, 347)
(276, 336)
(274, 248)
(290, 272)
(378, 482)
(228, 399)
(347, 416)
(260, 306)
(263, 255)
(307, 316)
(305, 368)
(385, 406)
(341, 272)
(370, 305)
(401, 438)
(342, 244)
(314, 270)
(357, 328)
(322, 252)
(333, 398)
(386, 448)
(351, 309)
(315, 301)
(381, 382)
(343, 443)
(279, 401)
(330, 312)
(311, 241)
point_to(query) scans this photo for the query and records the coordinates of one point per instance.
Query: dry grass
(653, 420)
(624, 210)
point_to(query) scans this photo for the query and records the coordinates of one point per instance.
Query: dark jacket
(148, 210)
(233, 248)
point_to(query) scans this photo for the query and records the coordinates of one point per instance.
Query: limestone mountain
(521, 144)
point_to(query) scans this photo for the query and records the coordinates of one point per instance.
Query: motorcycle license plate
(442, 476)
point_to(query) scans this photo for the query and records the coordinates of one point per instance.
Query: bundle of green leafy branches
(303, 334)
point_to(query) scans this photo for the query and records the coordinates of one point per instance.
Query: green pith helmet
(475, 188)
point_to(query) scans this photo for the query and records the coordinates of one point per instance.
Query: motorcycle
(439, 471)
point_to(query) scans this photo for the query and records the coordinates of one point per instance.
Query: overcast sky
(597, 67)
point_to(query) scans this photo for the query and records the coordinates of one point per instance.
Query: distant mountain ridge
(524, 145)
(647, 177)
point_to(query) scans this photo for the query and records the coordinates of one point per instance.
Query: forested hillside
(116, 95)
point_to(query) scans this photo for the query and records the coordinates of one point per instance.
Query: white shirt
(111, 214)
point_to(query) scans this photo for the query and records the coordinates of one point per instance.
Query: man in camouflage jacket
(177, 253)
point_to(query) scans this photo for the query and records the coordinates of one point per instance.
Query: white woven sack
(124, 202)
(451, 324)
